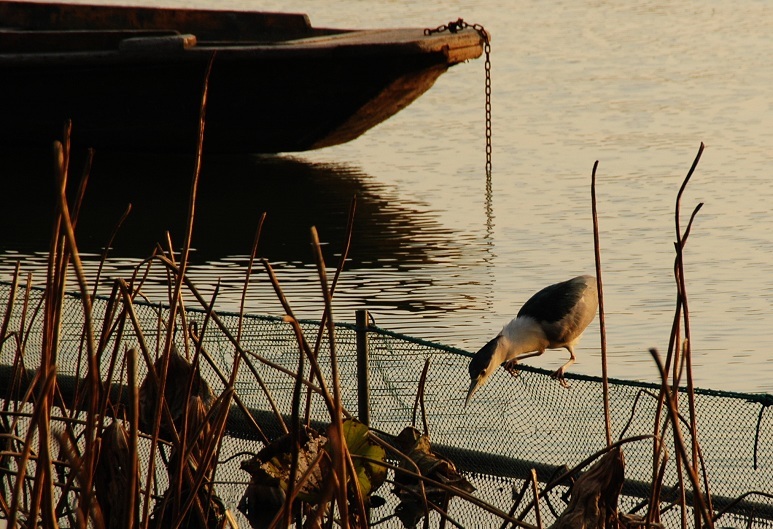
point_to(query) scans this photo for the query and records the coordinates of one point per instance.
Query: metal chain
(487, 49)
(453, 27)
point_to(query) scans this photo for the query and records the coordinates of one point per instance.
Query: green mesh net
(513, 425)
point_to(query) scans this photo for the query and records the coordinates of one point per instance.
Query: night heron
(554, 317)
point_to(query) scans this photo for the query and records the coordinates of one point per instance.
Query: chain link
(487, 50)
(453, 27)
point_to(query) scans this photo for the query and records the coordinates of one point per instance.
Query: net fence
(514, 424)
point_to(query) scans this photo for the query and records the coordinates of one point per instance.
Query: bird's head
(483, 365)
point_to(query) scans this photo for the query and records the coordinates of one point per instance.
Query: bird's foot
(559, 375)
(511, 366)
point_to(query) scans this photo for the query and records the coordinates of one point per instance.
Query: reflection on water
(396, 251)
(233, 193)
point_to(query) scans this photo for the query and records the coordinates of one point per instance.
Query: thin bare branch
(602, 321)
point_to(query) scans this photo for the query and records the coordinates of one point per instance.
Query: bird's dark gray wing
(554, 302)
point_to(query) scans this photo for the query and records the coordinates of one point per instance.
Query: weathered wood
(131, 78)
(208, 23)
(72, 40)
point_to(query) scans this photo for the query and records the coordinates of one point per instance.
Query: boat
(132, 78)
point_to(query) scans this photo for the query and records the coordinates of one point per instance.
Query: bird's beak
(474, 385)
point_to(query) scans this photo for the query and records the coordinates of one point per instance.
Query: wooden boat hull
(145, 94)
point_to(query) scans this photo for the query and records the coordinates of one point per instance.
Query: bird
(553, 318)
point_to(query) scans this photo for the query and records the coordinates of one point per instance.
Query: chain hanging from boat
(453, 27)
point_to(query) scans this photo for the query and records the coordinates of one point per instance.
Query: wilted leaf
(270, 470)
(432, 465)
(370, 476)
(270, 473)
(278, 467)
(178, 376)
(418, 448)
(111, 476)
(260, 503)
(409, 512)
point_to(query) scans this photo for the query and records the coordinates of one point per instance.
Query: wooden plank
(207, 24)
(69, 41)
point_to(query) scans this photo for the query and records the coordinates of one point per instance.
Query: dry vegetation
(91, 457)
(149, 459)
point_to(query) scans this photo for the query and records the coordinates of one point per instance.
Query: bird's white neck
(520, 336)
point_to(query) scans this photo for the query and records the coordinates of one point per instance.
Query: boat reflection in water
(402, 260)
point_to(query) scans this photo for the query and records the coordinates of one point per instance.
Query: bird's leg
(511, 366)
(559, 374)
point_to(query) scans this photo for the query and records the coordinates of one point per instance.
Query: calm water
(436, 255)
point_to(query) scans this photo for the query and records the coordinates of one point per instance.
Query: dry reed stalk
(198, 341)
(237, 356)
(112, 477)
(82, 466)
(342, 465)
(108, 246)
(198, 437)
(194, 422)
(189, 385)
(305, 349)
(738, 500)
(199, 457)
(419, 402)
(682, 288)
(85, 175)
(133, 489)
(162, 406)
(178, 280)
(6, 446)
(47, 381)
(112, 328)
(679, 441)
(118, 369)
(295, 428)
(219, 422)
(237, 346)
(18, 359)
(248, 275)
(517, 498)
(675, 360)
(535, 490)
(242, 352)
(40, 498)
(602, 319)
(185, 384)
(9, 305)
(336, 432)
(325, 314)
(93, 377)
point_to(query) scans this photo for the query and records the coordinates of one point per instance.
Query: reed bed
(120, 452)
(94, 458)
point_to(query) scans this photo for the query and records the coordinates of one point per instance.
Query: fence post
(363, 382)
